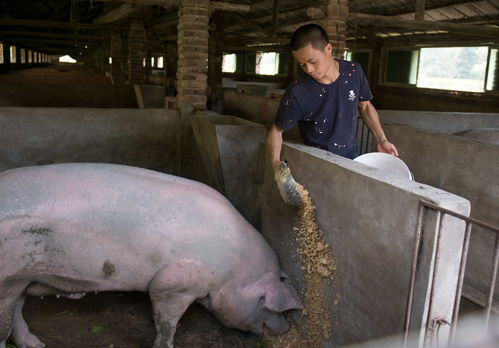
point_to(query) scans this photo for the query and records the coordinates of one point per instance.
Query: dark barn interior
(190, 88)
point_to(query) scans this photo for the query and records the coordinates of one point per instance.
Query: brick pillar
(335, 25)
(116, 54)
(215, 61)
(136, 51)
(192, 71)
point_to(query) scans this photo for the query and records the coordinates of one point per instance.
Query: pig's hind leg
(20, 330)
(11, 303)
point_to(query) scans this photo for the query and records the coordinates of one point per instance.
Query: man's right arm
(274, 145)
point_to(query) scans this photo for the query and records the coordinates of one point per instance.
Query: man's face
(315, 63)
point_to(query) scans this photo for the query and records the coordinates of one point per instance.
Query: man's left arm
(371, 119)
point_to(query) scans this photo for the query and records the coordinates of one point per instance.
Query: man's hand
(276, 165)
(386, 147)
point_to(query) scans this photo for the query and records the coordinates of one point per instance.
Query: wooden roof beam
(387, 21)
(122, 12)
(227, 6)
(69, 43)
(215, 5)
(19, 34)
(310, 12)
(49, 24)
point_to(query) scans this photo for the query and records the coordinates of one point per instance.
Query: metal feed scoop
(289, 189)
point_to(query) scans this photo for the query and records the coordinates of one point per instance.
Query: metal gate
(433, 325)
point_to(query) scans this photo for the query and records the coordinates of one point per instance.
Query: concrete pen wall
(441, 122)
(369, 219)
(255, 108)
(263, 110)
(467, 168)
(144, 138)
(67, 95)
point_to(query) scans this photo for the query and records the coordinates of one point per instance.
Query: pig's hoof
(30, 341)
(75, 295)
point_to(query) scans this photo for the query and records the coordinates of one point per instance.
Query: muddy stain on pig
(155, 259)
(42, 231)
(108, 268)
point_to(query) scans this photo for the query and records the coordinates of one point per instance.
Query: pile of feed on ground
(314, 323)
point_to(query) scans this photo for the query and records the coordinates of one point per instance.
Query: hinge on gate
(434, 329)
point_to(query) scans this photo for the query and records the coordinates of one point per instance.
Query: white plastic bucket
(387, 163)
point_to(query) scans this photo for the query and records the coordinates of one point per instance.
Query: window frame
(13, 53)
(235, 61)
(384, 61)
(370, 51)
(491, 91)
(276, 66)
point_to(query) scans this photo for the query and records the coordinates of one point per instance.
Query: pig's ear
(280, 296)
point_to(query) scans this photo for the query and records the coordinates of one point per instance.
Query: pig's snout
(274, 325)
(277, 325)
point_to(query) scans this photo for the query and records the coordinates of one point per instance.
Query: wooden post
(215, 61)
(116, 53)
(420, 8)
(136, 51)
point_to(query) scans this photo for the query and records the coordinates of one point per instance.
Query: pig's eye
(261, 300)
(284, 279)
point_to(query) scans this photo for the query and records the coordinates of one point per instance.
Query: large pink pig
(71, 228)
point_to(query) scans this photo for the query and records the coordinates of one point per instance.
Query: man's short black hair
(309, 34)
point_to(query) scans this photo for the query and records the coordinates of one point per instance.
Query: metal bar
(487, 69)
(470, 222)
(413, 273)
(490, 298)
(362, 136)
(439, 219)
(462, 268)
(369, 140)
(465, 218)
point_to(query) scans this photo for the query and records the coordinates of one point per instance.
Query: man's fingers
(388, 147)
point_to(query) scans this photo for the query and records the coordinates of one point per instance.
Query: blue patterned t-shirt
(326, 113)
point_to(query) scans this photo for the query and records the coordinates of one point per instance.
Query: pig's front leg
(172, 290)
(168, 308)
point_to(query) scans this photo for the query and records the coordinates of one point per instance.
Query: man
(326, 101)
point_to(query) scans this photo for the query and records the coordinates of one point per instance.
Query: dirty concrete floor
(123, 320)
